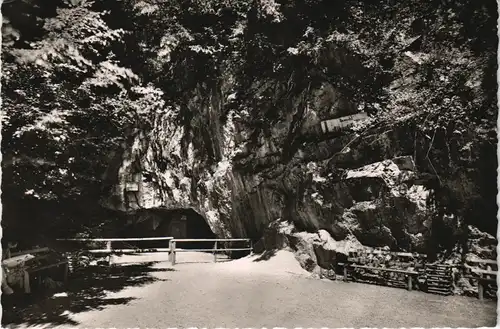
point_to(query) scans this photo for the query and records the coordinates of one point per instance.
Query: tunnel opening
(178, 223)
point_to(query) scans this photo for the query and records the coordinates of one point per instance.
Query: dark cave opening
(179, 223)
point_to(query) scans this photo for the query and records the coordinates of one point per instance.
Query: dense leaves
(67, 104)
(78, 77)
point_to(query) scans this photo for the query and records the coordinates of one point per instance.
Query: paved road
(261, 294)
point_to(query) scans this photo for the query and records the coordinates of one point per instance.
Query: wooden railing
(172, 250)
(436, 275)
(410, 274)
(173, 245)
(110, 250)
(484, 277)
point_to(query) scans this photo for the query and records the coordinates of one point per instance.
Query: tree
(67, 103)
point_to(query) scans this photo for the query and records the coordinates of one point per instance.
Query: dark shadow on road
(85, 292)
(266, 255)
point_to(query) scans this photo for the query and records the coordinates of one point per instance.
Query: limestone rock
(302, 245)
(329, 251)
(275, 237)
(314, 251)
(351, 186)
(482, 244)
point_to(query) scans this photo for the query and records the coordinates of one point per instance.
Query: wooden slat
(401, 281)
(439, 288)
(436, 270)
(219, 249)
(235, 249)
(209, 240)
(482, 261)
(399, 253)
(32, 251)
(484, 271)
(121, 239)
(437, 276)
(193, 250)
(17, 260)
(36, 269)
(112, 251)
(439, 279)
(383, 269)
(480, 279)
(357, 261)
(443, 293)
(117, 251)
(435, 281)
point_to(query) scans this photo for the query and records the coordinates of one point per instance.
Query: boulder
(481, 244)
(274, 237)
(302, 245)
(321, 249)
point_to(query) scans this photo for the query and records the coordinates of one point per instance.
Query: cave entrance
(179, 223)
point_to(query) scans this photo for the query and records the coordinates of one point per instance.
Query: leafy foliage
(81, 76)
(67, 102)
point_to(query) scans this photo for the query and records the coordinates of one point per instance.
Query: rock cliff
(247, 145)
(369, 189)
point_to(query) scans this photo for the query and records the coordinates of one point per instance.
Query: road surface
(243, 293)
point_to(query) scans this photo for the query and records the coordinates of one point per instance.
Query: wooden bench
(64, 263)
(410, 273)
(37, 255)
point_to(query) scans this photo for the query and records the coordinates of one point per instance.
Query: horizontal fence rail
(174, 250)
(31, 251)
(123, 251)
(120, 239)
(210, 240)
(482, 261)
(212, 249)
(109, 250)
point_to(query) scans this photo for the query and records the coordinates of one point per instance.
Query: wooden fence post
(345, 272)
(480, 287)
(108, 248)
(215, 252)
(410, 282)
(173, 253)
(65, 274)
(26, 282)
(251, 248)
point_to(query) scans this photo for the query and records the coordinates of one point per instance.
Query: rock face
(314, 251)
(367, 202)
(243, 164)
(347, 194)
(162, 170)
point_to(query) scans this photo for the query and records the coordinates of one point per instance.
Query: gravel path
(272, 293)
